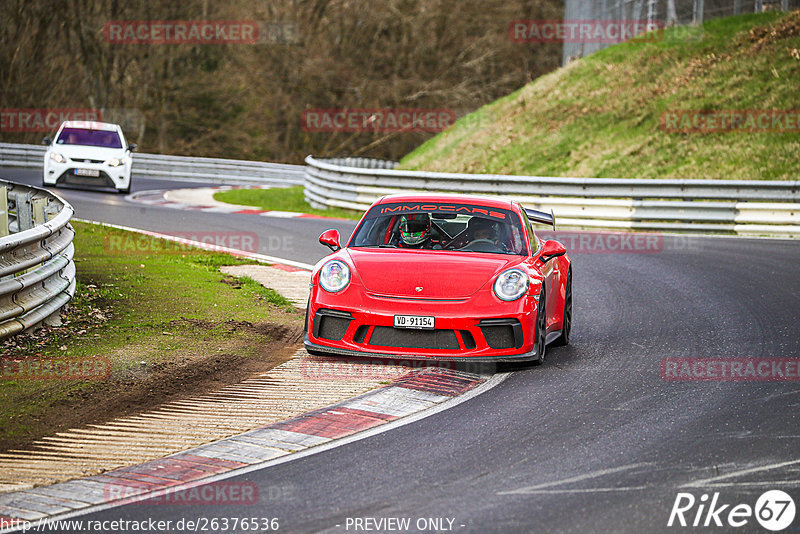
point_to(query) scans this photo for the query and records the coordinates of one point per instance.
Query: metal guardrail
(37, 272)
(745, 207)
(178, 168)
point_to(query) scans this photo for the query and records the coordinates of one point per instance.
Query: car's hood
(441, 275)
(88, 152)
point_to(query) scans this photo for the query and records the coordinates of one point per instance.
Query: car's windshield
(83, 136)
(440, 226)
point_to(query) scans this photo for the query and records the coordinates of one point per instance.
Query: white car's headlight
(334, 276)
(116, 162)
(511, 284)
(58, 158)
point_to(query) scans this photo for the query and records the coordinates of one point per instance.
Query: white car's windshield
(87, 137)
(469, 228)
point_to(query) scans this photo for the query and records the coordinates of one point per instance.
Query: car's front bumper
(64, 173)
(476, 328)
(322, 350)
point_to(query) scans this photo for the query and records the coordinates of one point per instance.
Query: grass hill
(601, 116)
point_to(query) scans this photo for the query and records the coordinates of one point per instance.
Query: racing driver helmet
(415, 229)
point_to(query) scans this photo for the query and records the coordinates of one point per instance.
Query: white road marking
(769, 467)
(575, 490)
(763, 483)
(578, 478)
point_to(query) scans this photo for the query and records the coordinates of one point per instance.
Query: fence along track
(745, 207)
(177, 168)
(37, 272)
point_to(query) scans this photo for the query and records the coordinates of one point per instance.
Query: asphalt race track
(593, 441)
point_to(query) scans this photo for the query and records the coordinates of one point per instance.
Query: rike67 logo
(774, 510)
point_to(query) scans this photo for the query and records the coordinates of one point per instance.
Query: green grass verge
(281, 199)
(601, 116)
(151, 308)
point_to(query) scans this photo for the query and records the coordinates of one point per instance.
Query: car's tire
(126, 191)
(566, 327)
(541, 327)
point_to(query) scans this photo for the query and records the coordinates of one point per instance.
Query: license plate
(87, 172)
(420, 322)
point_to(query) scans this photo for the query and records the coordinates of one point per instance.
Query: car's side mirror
(47, 141)
(132, 147)
(330, 238)
(552, 249)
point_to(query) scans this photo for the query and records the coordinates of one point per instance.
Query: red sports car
(441, 277)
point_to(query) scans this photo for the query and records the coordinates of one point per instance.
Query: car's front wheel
(541, 327)
(566, 323)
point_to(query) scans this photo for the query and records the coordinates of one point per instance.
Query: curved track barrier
(37, 272)
(744, 207)
(179, 168)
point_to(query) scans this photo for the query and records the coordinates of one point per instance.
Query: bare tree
(238, 100)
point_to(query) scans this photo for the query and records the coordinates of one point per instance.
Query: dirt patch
(787, 28)
(246, 349)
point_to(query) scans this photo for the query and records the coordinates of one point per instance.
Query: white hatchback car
(88, 153)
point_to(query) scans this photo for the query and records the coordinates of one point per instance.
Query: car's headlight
(511, 284)
(334, 276)
(58, 158)
(116, 162)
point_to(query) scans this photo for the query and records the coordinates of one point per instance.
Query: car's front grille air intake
(385, 336)
(331, 324)
(469, 341)
(502, 333)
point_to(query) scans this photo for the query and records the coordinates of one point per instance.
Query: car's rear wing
(541, 217)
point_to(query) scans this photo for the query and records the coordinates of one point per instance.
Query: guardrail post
(24, 211)
(3, 212)
(50, 211)
(55, 318)
(38, 211)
